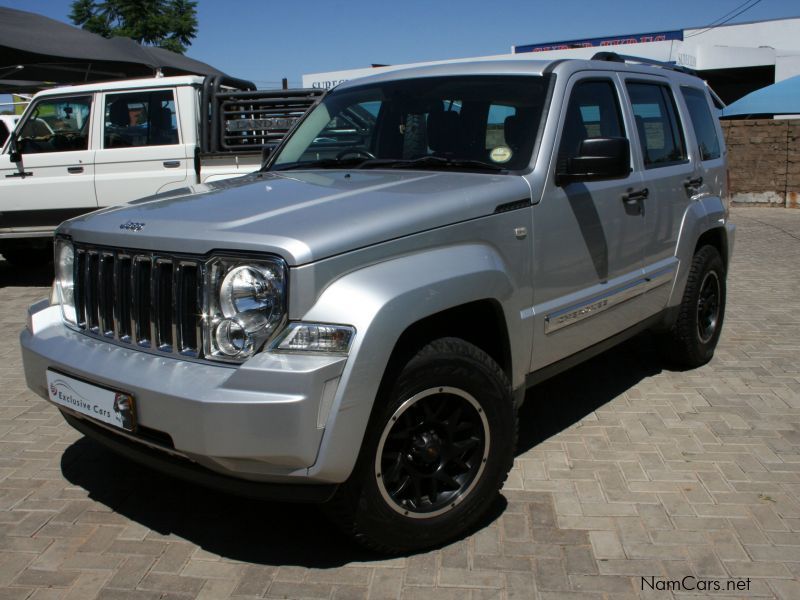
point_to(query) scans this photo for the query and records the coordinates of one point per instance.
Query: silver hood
(301, 216)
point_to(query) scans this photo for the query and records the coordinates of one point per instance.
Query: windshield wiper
(428, 161)
(323, 163)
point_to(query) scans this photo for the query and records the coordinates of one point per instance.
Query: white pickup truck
(79, 148)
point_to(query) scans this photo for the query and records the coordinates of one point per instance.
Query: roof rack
(624, 58)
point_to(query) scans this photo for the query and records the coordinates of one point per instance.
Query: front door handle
(171, 164)
(74, 169)
(635, 196)
(22, 174)
(692, 183)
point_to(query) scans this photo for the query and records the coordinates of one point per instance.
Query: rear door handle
(171, 164)
(74, 169)
(635, 196)
(692, 182)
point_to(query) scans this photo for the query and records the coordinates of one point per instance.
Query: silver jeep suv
(358, 322)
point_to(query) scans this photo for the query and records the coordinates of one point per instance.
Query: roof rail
(624, 58)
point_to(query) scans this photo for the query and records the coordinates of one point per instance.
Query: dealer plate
(100, 403)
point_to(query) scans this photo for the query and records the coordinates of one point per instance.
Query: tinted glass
(593, 112)
(140, 119)
(3, 133)
(493, 119)
(657, 124)
(56, 125)
(703, 123)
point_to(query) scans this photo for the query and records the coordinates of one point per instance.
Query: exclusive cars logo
(132, 226)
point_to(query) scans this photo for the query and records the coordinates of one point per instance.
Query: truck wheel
(694, 336)
(436, 451)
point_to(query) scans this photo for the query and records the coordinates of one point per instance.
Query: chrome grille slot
(80, 286)
(151, 301)
(188, 307)
(122, 297)
(162, 305)
(141, 300)
(92, 279)
(105, 293)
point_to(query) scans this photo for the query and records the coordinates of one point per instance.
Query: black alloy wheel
(708, 307)
(432, 452)
(437, 449)
(692, 338)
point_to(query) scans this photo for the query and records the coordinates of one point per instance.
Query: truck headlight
(246, 304)
(65, 279)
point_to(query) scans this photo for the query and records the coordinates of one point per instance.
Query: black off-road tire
(364, 508)
(693, 337)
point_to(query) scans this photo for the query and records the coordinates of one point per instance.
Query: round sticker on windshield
(501, 154)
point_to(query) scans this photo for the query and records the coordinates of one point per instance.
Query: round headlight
(65, 280)
(246, 289)
(232, 338)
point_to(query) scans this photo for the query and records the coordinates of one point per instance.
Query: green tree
(170, 24)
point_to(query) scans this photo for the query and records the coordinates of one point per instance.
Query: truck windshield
(483, 123)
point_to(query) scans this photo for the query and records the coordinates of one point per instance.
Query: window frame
(674, 119)
(620, 100)
(28, 115)
(550, 81)
(133, 91)
(714, 122)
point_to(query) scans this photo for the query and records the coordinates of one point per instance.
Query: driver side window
(56, 125)
(593, 112)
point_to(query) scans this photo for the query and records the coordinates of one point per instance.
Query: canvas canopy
(782, 98)
(35, 48)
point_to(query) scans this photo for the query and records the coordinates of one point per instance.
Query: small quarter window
(657, 124)
(702, 122)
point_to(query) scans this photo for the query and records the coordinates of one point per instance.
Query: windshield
(477, 123)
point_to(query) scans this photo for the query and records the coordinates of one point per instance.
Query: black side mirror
(13, 151)
(597, 159)
(266, 152)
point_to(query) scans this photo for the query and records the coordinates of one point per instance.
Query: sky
(266, 40)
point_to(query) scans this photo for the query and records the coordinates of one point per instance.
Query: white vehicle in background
(7, 124)
(80, 148)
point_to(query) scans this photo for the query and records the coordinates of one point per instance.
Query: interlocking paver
(625, 469)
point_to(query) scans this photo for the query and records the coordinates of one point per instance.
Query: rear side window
(140, 119)
(657, 124)
(593, 112)
(703, 123)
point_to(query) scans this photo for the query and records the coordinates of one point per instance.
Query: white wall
(744, 45)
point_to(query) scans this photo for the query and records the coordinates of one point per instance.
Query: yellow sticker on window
(501, 154)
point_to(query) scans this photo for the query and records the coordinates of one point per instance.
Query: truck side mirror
(597, 159)
(13, 150)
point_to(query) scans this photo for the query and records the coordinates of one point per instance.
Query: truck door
(54, 178)
(588, 235)
(672, 178)
(141, 151)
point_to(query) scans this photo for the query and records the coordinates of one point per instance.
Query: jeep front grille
(148, 300)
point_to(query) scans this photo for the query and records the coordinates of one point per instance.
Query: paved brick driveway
(624, 471)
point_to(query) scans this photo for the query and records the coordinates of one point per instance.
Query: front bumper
(258, 421)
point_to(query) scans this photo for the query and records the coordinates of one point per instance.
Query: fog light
(232, 338)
